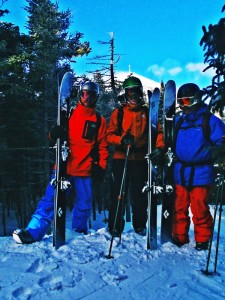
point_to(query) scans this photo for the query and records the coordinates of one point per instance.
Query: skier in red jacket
(86, 142)
(131, 128)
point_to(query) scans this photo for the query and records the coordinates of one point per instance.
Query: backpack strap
(71, 111)
(95, 150)
(98, 122)
(119, 120)
(205, 124)
(176, 129)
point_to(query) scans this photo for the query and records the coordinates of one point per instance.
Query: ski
(150, 187)
(168, 189)
(60, 183)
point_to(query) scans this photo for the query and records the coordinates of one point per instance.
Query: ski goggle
(86, 93)
(133, 93)
(132, 90)
(186, 101)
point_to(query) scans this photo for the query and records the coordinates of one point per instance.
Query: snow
(80, 270)
(148, 84)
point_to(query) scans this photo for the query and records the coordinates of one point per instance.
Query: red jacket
(135, 121)
(82, 139)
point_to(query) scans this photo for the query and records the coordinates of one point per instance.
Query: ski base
(168, 194)
(167, 218)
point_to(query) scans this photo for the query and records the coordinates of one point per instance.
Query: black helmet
(188, 94)
(93, 90)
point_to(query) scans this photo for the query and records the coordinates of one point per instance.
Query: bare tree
(107, 65)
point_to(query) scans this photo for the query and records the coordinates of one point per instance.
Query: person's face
(134, 95)
(87, 98)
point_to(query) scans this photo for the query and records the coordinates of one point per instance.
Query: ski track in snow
(80, 270)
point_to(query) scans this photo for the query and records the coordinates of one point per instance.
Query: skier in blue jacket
(194, 172)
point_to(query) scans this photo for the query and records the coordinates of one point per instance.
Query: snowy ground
(79, 270)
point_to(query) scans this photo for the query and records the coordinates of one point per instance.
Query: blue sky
(158, 39)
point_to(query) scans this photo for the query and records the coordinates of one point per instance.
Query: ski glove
(157, 157)
(127, 139)
(218, 154)
(56, 132)
(98, 173)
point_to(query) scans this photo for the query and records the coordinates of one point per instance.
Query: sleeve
(217, 131)
(111, 135)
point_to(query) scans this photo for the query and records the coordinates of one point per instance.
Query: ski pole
(149, 204)
(219, 224)
(218, 195)
(120, 199)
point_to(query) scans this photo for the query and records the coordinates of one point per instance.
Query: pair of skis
(61, 184)
(160, 181)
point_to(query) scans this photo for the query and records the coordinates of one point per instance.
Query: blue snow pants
(43, 216)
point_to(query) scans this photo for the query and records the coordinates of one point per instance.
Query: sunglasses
(186, 101)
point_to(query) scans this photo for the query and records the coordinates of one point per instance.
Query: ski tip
(149, 94)
(170, 84)
(155, 94)
(170, 81)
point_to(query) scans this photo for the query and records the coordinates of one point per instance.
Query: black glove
(56, 132)
(157, 157)
(127, 139)
(218, 153)
(98, 173)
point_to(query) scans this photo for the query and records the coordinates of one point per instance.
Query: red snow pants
(197, 198)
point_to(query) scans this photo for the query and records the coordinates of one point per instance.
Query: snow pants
(136, 178)
(43, 216)
(198, 199)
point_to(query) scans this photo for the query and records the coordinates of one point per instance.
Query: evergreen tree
(213, 42)
(13, 113)
(28, 70)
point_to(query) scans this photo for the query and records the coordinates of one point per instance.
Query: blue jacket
(193, 164)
